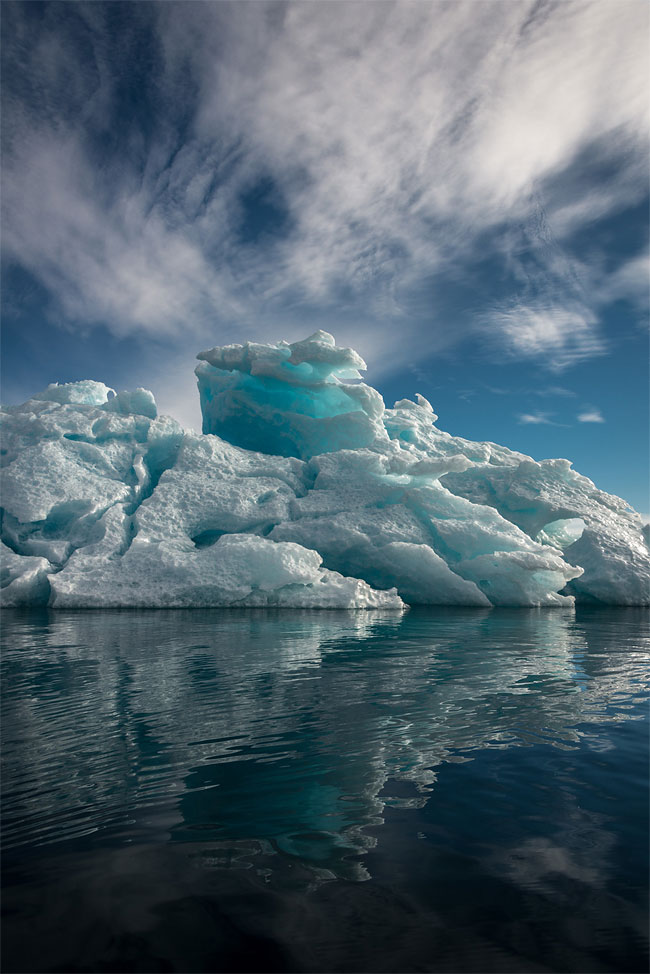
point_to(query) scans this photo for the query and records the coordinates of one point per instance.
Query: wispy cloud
(467, 394)
(394, 138)
(590, 415)
(544, 392)
(554, 391)
(630, 281)
(117, 262)
(537, 418)
(562, 336)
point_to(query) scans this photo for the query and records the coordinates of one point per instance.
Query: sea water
(440, 790)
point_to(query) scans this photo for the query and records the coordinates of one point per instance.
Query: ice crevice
(302, 490)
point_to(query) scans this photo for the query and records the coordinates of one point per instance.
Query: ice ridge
(302, 490)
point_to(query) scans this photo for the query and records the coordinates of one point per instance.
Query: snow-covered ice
(302, 490)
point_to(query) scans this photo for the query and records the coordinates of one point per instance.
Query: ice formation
(302, 490)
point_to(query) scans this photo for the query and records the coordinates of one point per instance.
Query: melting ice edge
(302, 491)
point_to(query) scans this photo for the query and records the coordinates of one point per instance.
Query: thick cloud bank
(302, 490)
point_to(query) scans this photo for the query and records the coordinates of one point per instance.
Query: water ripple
(213, 716)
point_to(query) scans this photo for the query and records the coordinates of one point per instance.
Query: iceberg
(303, 490)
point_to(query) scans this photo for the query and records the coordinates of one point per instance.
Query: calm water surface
(445, 790)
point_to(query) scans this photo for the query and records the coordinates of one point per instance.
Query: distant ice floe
(302, 491)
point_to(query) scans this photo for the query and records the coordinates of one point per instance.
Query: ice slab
(287, 399)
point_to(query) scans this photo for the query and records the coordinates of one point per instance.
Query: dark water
(447, 790)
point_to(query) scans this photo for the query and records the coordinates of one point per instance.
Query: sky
(458, 190)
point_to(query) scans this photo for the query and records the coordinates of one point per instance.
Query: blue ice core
(289, 400)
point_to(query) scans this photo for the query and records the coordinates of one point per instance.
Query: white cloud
(561, 336)
(118, 263)
(590, 415)
(536, 419)
(630, 281)
(395, 133)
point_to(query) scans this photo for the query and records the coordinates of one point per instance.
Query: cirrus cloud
(394, 142)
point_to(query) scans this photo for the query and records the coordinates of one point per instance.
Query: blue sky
(458, 190)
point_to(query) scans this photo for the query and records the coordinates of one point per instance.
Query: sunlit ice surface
(446, 789)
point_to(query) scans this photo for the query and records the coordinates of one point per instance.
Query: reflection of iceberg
(349, 505)
(286, 727)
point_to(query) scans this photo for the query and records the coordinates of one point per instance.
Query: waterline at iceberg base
(303, 490)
